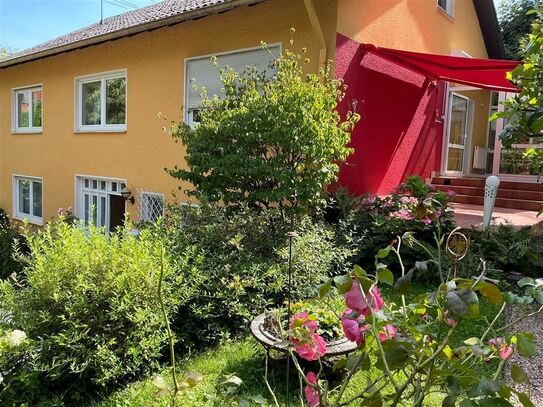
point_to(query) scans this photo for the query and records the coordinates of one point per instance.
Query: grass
(245, 358)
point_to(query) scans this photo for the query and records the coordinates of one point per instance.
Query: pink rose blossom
(409, 200)
(314, 346)
(353, 328)
(356, 302)
(311, 394)
(506, 352)
(389, 333)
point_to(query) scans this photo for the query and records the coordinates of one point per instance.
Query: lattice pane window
(151, 206)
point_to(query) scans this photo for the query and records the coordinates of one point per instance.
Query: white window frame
(449, 10)
(189, 113)
(103, 127)
(143, 211)
(17, 214)
(15, 128)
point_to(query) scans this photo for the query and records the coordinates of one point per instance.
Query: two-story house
(79, 115)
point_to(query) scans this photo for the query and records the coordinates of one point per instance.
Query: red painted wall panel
(400, 132)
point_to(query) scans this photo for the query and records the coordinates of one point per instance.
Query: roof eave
(153, 25)
(490, 28)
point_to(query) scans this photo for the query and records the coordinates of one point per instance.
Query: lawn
(245, 358)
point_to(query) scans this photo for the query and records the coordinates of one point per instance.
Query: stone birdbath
(269, 340)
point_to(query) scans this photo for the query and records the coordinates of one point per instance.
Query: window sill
(16, 132)
(31, 220)
(91, 131)
(444, 12)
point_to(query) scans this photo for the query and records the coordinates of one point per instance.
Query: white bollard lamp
(491, 190)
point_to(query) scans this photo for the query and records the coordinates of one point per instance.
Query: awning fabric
(480, 73)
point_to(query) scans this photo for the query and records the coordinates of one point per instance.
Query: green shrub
(11, 242)
(376, 221)
(245, 265)
(510, 249)
(87, 302)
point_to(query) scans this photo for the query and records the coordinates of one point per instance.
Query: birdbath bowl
(336, 347)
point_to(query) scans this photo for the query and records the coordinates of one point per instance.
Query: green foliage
(515, 24)
(524, 111)
(12, 245)
(267, 141)
(374, 222)
(88, 304)
(244, 263)
(509, 249)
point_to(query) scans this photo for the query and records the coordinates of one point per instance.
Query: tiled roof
(119, 23)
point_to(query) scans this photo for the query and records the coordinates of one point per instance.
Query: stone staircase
(524, 196)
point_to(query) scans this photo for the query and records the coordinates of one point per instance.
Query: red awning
(480, 73)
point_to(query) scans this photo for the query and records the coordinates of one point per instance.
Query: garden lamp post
(491, 190)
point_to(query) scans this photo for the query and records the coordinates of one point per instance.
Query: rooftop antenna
(101, 11)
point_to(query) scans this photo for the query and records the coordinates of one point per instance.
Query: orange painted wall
(414, 25)
(155, 83)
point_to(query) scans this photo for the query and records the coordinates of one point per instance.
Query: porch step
(513, 195)
(502, 193)
(480, 182)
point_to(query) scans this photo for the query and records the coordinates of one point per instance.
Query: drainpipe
(317, 30)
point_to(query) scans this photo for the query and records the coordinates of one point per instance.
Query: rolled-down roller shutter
(202, 73)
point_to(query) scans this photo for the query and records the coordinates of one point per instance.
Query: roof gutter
(191, 15)
(317, 29)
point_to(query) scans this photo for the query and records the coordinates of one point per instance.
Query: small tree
(267, 140)
(524, 111)
(515, 24)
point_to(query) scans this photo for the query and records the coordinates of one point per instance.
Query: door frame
(450, 92)
(79, 207)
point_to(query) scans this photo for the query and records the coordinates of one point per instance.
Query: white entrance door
(94, 198)
(458, 134)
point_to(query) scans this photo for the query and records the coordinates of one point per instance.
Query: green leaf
(538, 296)
(518, 374)
(523, 282)
(359, 272)
(385, 276)
(463, 303)
(258, 399)
(449, 401)
(159, 382)
(324, 289)
(472, 341)
(524, 399)
(343, 283)
(525, 344)
(396, 356)
(468, 403)
(491, 292)
(383, 252)
(403, 284)
(494, 402)
(231, 379)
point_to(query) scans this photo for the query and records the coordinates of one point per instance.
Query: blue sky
(24, 23)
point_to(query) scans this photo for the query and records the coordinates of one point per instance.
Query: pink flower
(506, 352)
(426, 220)
(310, 349)
(356, 302)
(311, 394)
(59, 211)
(302, 319)
(353, 328)
(312, 346)
(369, 200)
(409, 200)
(389, 333)
(403, 214)
(451, 193)
(450, 322)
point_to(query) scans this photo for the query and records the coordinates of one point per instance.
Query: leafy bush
(244, 266)
(268, 140)
(510, 249)
(87, 302)
(11, 242)
(377, 221)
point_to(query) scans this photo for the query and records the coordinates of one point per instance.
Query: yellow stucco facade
(155, 66)
(154, 62)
